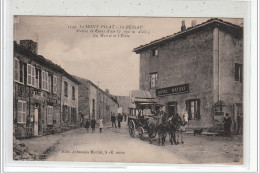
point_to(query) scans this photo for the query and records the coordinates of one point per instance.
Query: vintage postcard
(128, 89)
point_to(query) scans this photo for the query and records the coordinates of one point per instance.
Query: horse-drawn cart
(142, 114)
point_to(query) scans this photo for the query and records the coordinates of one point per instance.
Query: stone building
(199, 69)
(94, 102)
(36, 92)
(69, 102)
(124, 102)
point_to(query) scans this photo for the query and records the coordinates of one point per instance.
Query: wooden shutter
(188, 109)
(19, 111)
(29, 74)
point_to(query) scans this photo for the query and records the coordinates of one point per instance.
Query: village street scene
(122, 89)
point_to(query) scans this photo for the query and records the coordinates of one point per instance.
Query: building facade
(198, 70)
(69, 102)
(124, 102)
(94, 102)
(36, 92)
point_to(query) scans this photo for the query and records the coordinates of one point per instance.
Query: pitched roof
(188, 30)
(41, 60)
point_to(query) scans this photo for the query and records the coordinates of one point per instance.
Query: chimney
(183, 27)
(193, 23)
(107, 91)
(30, 45)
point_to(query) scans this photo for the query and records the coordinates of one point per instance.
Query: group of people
(118, 119)
(93, 123)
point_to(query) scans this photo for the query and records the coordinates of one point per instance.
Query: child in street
(100, 124)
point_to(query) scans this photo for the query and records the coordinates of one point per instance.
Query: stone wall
(188, 59)
(39, 99)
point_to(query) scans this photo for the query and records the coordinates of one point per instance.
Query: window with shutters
(65, 89)
(21, 112)
(238, 72)
(49, 83)
(73, 93)
(18, 71)
(37, 78)
(45, 80)
(21, 70)
(55, 84)
(49, 115)
(31, 75)
(193, 108)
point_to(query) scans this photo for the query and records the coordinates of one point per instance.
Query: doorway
(36, 122)
(172, 108)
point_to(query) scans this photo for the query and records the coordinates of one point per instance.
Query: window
(73, 115)
(49, 115)
(93, 107)
(21, 109)
(18, 71)
(193, 108)
(49, 83)
(238, 72)
(153, 80)
(45, 80)
(73, 93)
(154, 52)
(30, 75)
(55, 84)
(37, 78)
(65, 89)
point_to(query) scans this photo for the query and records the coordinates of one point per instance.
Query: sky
(109, 62)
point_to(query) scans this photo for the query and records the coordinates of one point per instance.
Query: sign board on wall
(178, 89)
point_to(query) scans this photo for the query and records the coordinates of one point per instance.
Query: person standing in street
(93, 124)
(113, 120)
(239, 124)
(119, 120)
(227, 124)
(87, 125)
(100, 124)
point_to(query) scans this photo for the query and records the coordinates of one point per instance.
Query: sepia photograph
(128, 89)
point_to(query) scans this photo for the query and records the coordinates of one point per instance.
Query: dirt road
(113, 145)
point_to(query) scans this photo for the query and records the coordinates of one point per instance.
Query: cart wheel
(141, 133)
(132, 128)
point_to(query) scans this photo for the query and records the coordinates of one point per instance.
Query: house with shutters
(37, 92)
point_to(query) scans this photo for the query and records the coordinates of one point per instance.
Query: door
(172, 108)
(36, 119)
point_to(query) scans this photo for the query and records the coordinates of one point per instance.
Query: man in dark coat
(87, 125)
(227, 124)
(119, 120)
(113, 120)
(93, 124)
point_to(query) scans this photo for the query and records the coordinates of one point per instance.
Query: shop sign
(179, 89)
